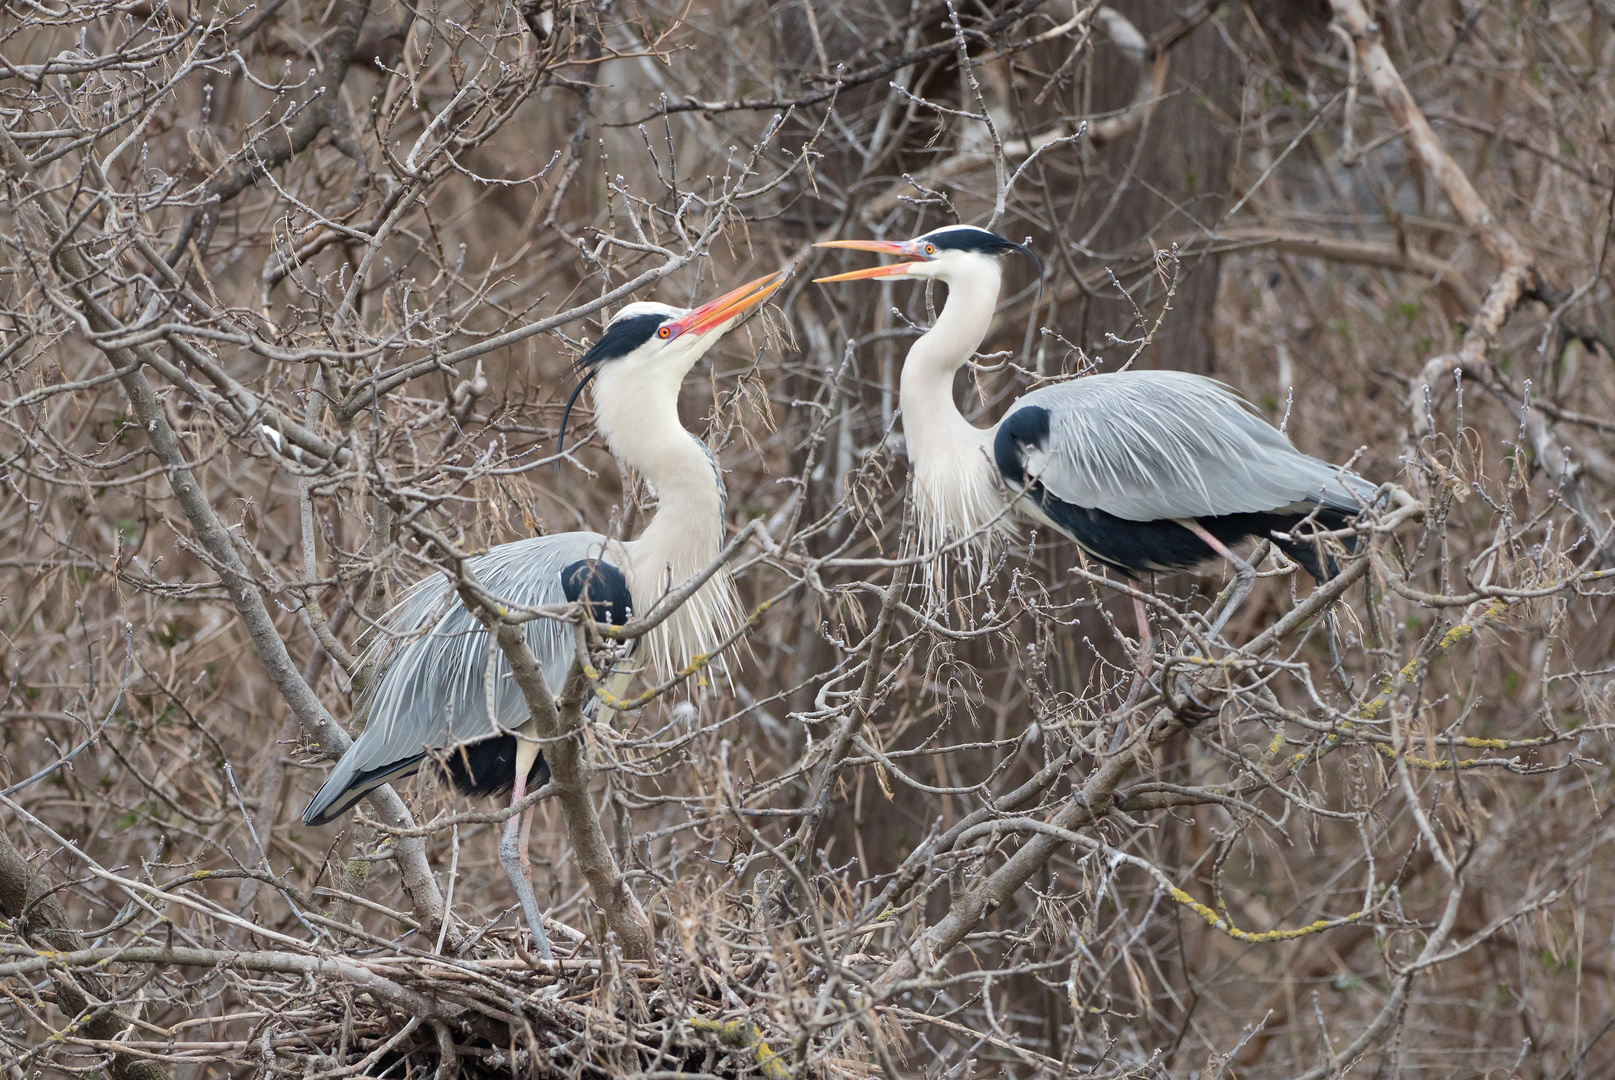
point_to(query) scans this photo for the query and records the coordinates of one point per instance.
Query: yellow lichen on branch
(698, 662)
(1409, 671)
(743, 1035)
(1264, 937)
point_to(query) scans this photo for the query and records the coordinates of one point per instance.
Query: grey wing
(1158, 445)
(433, 655)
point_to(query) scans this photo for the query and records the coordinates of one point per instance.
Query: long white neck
(637, 411)
(955, 479)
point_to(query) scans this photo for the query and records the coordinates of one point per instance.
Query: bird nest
(502, 1015)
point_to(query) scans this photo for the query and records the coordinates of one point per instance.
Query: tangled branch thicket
(290, 292)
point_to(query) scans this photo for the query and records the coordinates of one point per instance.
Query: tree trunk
(1179, 186)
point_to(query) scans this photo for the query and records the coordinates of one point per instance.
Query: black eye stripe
(969, 239)
(980, 242)
(621, 338)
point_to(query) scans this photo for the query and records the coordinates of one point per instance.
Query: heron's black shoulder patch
(1026, 426)
(600, 585)
(970, 238)
(621, 338)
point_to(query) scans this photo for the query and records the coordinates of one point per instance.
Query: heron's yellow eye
(930, 249)
(664, 332)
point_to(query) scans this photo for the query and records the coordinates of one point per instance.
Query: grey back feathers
(431, 691)
(1165, 445)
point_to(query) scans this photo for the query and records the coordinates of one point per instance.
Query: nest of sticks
(502, 1014)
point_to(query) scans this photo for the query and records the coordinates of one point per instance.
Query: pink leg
(1146, 644)
(1144, 659)
(513, 855)
(1244, 572)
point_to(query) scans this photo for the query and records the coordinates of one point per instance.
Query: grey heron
(429, 704)
(1144, 470)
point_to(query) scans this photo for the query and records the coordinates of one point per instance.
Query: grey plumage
(443, 683)
(1168, 445)
(433, 653)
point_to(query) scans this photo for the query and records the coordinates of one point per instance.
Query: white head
(953, 253)
(648, 348)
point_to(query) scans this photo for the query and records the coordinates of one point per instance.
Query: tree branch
(272, 151)
(1517, 282)
(28, 899)
(561, 733)
(215, 539)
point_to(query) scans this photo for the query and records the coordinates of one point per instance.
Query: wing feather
(433, 656)
(1154, 445)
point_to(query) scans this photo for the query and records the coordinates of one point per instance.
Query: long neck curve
(638, 413)
(636, 409)
(959, 331)
(957, 488)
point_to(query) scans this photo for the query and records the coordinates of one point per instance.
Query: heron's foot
(1187, 707)
(1143, 656)
(511, 858)
(1244, 579)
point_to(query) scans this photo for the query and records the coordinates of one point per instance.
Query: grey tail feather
(341, 790)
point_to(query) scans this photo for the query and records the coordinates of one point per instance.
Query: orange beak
(730, 305)
(903, 249)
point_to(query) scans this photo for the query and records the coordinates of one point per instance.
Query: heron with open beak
(428, 707)
(1144, 470)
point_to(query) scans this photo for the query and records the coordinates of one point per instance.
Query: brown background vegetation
(1250, 198)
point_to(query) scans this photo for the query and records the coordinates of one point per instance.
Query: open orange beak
(903, 249)
(731, 305)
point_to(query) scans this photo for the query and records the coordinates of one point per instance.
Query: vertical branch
(1517, 281)
(802, 844)
(1421, 137)
(560, 733)
(415, 873)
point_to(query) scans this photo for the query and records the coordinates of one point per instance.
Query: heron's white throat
(636, 409)
(958, 493)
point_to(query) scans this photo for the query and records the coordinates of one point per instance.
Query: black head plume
(982, 242)
(1037, 263)
(622, 336)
